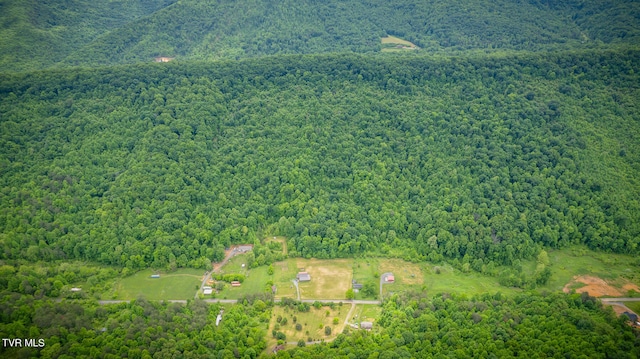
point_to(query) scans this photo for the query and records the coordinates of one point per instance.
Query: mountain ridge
(207, 30)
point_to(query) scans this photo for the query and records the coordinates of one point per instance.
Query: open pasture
(618, 270)
(330, 278)
(451, 280)
(181, 284)
(284, 272)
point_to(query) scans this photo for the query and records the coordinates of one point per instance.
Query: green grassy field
(566, 263)
(181, 284)
(451, 280)
(366, 313)
(284, 272)
(635, 306)
(255, 279)
(366, 271)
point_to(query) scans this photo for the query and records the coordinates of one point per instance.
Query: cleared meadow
(181, 284)
(330, 278)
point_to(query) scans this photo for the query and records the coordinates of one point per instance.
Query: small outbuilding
(155, 276)
(366, 325)
(303, 277)
(207, 290)
(244, 248)
(390, 278)
(163, 59)
(235, 283)
(356, 285)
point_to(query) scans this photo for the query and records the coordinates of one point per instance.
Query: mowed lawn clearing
(330, 278)
(255, 278)
(408, 276)
(284, 272)
(366, 313)
(181, 284)
(312, 322)
(451, 280)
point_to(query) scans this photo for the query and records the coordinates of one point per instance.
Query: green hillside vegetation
(48, 33)
(36, 34)
(487, 326)
(486, 168)
(479, 160)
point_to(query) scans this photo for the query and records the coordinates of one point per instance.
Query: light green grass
(366, 270)
(255, 279)
(635, 306)
(234, 265)
(284, 272)
(451, 280)
(366, 313)
(181, 284)
(407, 276)
(396, 41)
(255, 282)
(278, 239)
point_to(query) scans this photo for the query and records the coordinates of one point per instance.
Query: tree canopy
(484, 158)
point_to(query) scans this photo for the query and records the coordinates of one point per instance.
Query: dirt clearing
(598, 287)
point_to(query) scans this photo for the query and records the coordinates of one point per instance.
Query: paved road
(382, 281)
(357, 301)
(232, 301)
(615, 300)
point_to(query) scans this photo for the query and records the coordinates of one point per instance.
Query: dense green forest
(35, 34)
(553, 326)
(413, 326)
(142, 329)
(512, 129)
(481, 159)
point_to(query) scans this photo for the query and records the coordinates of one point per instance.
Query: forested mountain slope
(480, 159)
(40, 33)
(47, 33)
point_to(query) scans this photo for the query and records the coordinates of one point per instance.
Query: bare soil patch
(630, 286)
(330, 279)
(598, 287)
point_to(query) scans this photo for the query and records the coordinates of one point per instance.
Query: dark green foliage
(129, 330)
(524, 326)
(79, 32)
(36, 34)
(421, 158)
(231, 277)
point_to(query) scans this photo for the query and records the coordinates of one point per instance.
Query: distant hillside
(40, 33)
(37, 34)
